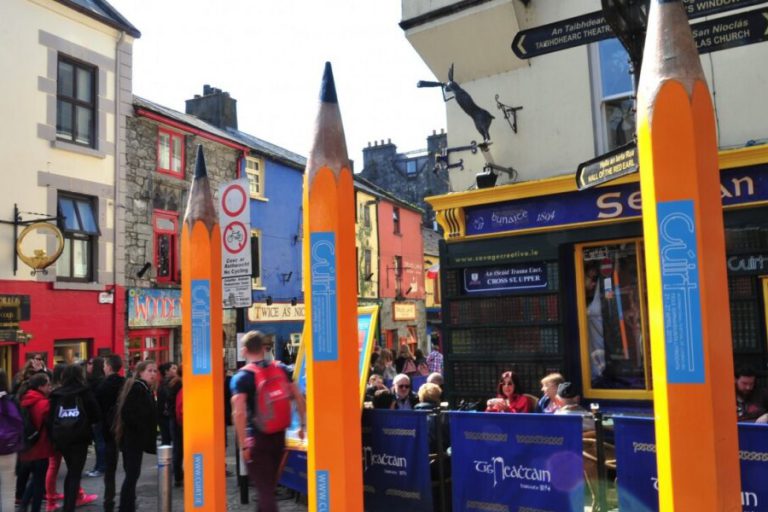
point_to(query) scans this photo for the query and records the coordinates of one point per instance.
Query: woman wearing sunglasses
(509, 396)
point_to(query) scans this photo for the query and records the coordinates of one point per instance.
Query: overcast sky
(269, 56)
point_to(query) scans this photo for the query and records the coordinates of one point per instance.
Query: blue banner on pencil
(396, 473)
(516, 461)
(294, 475)
(637, 474)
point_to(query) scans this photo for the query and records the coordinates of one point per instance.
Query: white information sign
(235, 221)
(236, 292)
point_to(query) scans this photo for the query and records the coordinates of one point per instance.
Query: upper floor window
(254, 169)
(166, 229)
(396, 220)
(614, 89)
(76, 102)
(410, 167)
(367, 215)
(77, 221)
(170, 153)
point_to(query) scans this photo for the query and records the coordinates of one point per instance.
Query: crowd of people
(58, 414)
(47, 416)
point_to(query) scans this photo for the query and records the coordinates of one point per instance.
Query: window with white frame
(78, 221)
(613, 88)
(254, 169)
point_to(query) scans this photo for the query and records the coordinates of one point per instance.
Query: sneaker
(95, 473)
(54, 497)
(84, 499)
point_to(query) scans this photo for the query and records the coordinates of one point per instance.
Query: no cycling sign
(235, 221)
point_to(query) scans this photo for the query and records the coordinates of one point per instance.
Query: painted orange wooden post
(204, 483)
(696, 435)
(335, 473)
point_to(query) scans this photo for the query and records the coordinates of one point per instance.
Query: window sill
(260, 198)
(75, 285)
(172, 174)
(76, 148)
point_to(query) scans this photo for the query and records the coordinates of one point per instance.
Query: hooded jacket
(39, 408)
(139, 416)
(90, 405)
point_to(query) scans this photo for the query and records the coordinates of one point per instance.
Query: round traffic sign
(234, 200)
(606, 267)
(235, 237)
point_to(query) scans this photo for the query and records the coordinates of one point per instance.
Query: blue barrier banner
(637, 474)
(510, 462)
(396, 475)
(636, 463)
(294, 475)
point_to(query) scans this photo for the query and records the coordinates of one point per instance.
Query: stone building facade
(409, 176)
(161, 149)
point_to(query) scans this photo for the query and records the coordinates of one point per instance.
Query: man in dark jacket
(107, 394)
(405, 398)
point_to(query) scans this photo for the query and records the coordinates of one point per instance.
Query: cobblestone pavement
(146, 489)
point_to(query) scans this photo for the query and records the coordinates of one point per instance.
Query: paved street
(147, 488)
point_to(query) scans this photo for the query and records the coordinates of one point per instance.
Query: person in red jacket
(509, 396)
(35, 400)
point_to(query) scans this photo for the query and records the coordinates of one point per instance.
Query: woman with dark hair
(509, 395)
(136, 427)
(34, 398)
(75, 411)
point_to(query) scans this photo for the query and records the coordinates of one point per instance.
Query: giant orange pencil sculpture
(696, 436)
(204, 485)
(334, 475)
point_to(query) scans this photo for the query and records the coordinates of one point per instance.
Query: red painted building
(401, 272)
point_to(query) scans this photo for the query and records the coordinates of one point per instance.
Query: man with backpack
(262, 392)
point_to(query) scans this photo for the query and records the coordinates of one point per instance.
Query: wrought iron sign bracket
(510, 113)
(18, 221)
(442, 158)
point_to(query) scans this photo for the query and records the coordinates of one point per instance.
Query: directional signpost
(731, 31)
(592, 27)
(614, 164)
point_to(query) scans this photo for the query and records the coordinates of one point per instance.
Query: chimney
(435, 141)
(378, 153)
(215, 107)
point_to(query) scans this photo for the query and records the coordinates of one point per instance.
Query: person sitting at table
(375, 383)
(548, 402)
(568, 397)
(509, 395)
(383, 399)
(751, 402)
(405, 399)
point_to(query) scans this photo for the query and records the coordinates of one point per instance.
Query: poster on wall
(367, 318)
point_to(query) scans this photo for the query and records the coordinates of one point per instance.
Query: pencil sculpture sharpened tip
(200, 170)
(328, 86)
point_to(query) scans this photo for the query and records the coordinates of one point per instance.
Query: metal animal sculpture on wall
(481, 117)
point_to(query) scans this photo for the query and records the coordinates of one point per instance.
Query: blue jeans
(98, 441)
(36, 489)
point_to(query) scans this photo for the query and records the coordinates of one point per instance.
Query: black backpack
(69, 422)
(31, 432)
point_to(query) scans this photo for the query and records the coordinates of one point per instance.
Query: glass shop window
(613, 328)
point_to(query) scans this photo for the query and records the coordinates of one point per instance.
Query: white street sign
(235, 221)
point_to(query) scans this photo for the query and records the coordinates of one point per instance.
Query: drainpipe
(118, 340)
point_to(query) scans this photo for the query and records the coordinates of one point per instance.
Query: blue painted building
(275, 178)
